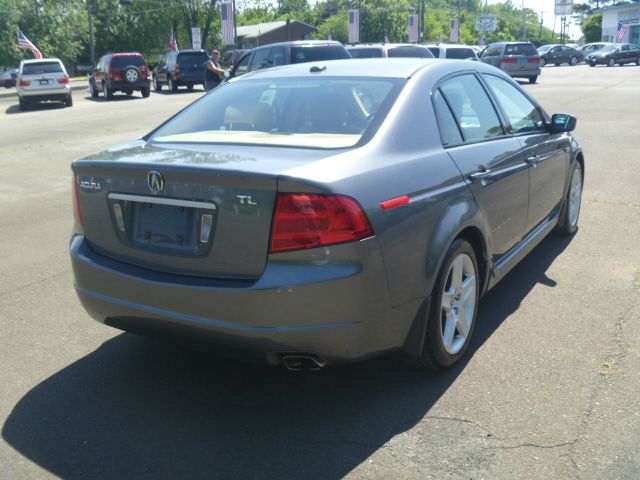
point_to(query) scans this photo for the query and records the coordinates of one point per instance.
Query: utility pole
(423, 6)
(541, 22)
(92, 53)
(524, 22)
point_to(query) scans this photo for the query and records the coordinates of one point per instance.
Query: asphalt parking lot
(549, 388)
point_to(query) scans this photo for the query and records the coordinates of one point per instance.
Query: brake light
(144, 71)
(64, 80)
(509, 60)
(24, 83)
(178, 72)
(308, 221)
(534, 60)
(77, 212)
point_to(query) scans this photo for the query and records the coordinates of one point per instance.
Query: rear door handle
(480, 175)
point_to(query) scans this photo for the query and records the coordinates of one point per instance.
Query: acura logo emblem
(155, 181)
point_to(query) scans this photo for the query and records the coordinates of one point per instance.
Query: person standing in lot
(215, 72)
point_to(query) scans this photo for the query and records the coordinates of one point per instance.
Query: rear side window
(522, 114)
(125, 61)
(314, 54)
(411, 52)
(366, 52)
(449, 131)
(520, 49)
(492, 51)
(472, 108)
(193, 58)
(243, 65)
(435, 51)
(460, 53)
(261, 59)
(41, 67)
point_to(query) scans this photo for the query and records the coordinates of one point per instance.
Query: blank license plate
(165, 226)
(523, 60)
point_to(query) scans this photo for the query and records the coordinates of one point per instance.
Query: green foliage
(592, 28)
(60, 27)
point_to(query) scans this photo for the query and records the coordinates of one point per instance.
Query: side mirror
(562, 122)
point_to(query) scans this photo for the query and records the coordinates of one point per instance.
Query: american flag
(413, 28)
(228, 33)
(354, 26)
(24, 42)
(173, 43)
(622, 29)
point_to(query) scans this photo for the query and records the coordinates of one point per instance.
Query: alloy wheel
(458, 303)
(575, 196)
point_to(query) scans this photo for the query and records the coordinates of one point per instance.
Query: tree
(592, 28)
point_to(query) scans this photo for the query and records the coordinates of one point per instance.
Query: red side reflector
(309, 220)
(77, 213)
(509, 60)
(534, 60)
(24, 83)
(394, 202)
(64, 80)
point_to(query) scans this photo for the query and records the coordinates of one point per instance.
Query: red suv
(120, 72)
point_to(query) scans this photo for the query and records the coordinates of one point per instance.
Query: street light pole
(91, 50)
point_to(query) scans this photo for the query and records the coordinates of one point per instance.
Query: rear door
(193, 66)
(488, 158)
(518, 58)
(547, 155)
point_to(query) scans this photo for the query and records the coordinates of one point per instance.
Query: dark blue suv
(183, 68)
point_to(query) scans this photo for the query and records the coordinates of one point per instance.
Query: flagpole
(235, 32)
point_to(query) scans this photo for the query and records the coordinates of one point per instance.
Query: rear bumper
(529, 72)
(190, 79)
(333, 303)
(45, 94)
(122, 85)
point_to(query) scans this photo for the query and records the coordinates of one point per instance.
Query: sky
(546, 8)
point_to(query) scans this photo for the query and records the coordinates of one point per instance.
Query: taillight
(534, 60)
(178, 72)
(64, 80)
(144, 71)
(115, 74)
(309, 220)
(77, 213)
(24, 83)
(509, 60)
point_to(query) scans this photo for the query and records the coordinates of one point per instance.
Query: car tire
(557, 64)
(454, 299)
(638, 61)
(68, 102)
(92, 89)
(7, 84)
(157, 86)
(533, 79)
(592, 64)
(543, 62)
(611, 62)
(145, 91)
(173, 88)
(568, 224)
(573, 61)
(107, 92)
(24, 106)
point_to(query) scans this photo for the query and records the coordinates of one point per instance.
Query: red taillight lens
(178, 72)
(24, 83)
(64, 80)
(509, 60)
(534, 60)
(77, 213)
(115, 74)
(307, 221)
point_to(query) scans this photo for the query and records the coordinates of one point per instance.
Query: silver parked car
(42, 80)
(324, 212)
(453, 51)
(518, 59)
(389, 50)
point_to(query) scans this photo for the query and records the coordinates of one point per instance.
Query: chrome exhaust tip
(299, 362)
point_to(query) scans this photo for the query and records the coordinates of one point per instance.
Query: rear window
(366, 52)
(309, 112)
(41, 67)
(460, 53)
(314, 54)
(520, 49)
(122, 61)
(196, 57)
(408, 51)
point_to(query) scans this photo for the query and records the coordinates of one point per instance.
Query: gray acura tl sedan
(324, 212)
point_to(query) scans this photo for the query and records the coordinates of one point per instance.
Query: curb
(13, 93)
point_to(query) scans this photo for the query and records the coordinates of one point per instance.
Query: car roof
(192, 50)
(125, 54)
(39, 60)
(302, 43)
(366, 67)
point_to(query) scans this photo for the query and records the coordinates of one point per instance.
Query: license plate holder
(522, 61)
(44, 82)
